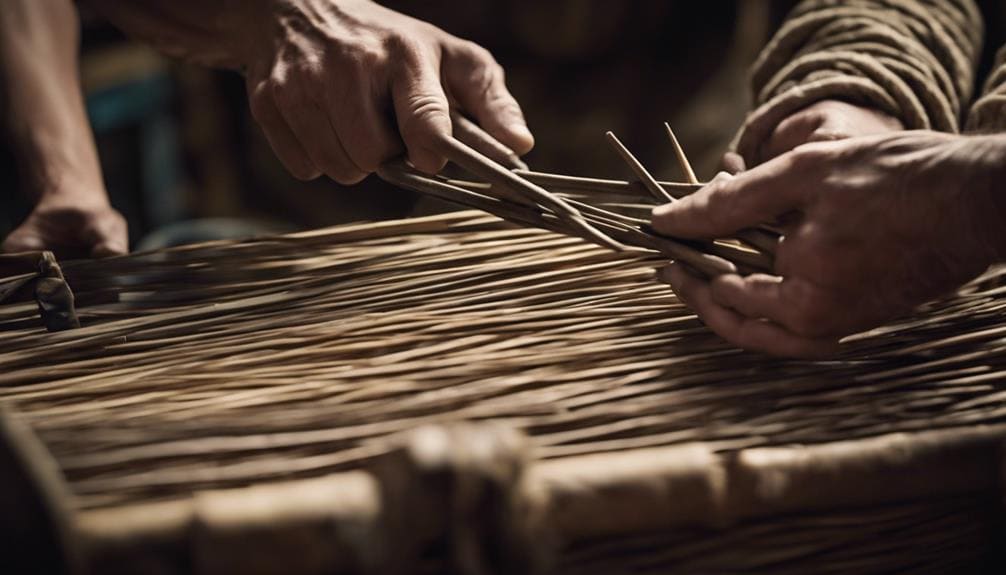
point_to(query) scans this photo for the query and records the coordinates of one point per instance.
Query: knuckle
(362, 57)
(402, 46)
(424, 110)
(484, 65)
(479, 53)
(294, 89)
(719, 206)
(369, 58)
(483, 76)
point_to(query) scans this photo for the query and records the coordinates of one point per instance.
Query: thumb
(478, 83)
(732, 203)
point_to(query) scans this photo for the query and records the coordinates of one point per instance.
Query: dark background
(177, 142)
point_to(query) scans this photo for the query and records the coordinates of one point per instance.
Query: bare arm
(49, 131)
(338, 86)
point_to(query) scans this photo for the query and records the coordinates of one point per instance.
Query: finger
(281, 138)
(420, 105)
(744, 332)
(733, 163)
(794, 304)
(727, 205)
(354, 113)
(478, 83)
(687, 286)
(795, 130)
(756, 295)
(314, 129)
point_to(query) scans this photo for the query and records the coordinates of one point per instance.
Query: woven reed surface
(231, 363)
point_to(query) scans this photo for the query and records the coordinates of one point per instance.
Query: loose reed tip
(647, 179)
(474, 136)
(686, 167)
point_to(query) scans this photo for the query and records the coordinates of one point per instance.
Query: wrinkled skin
(826, 121)
(339, 86)
(873, 227)
(46, 126)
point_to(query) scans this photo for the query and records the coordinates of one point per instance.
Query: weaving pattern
(226, 364)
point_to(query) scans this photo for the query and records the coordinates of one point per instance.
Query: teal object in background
(135, 128)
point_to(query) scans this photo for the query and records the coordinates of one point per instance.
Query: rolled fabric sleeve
(913, 59)
(988, 114)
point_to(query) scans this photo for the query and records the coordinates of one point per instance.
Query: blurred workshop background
(183, 159)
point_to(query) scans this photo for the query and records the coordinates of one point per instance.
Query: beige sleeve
(989, 112)
(913, 59)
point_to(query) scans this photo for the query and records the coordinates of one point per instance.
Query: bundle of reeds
(611, 213)
(236, 407)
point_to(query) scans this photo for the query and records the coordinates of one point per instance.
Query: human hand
(324, 83)
(824, 121)
(872, 227)
(72, 226)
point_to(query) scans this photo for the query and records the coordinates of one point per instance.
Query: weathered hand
(326, 80)
(82, 226)
(826, 121)
(873, 227)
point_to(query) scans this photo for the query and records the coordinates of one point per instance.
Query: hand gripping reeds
(558, 202)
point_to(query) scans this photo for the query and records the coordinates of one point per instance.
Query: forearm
(46, 121)
(218, 33)
(912, 60)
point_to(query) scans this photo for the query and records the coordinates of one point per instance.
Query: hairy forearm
(215, 33)
(46, 122)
